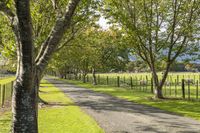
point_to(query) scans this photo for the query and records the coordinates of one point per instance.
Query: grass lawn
(60, 116)
(6, 80)
(185, 108)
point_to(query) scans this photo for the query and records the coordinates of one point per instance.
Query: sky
(103, 23)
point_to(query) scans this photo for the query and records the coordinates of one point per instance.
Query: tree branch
(55, 36)
(6, 10)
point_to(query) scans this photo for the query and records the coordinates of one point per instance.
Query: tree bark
(158, 89)
(94, 76)
(159, 85)
(24, 104)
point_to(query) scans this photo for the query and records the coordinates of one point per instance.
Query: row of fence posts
(131, 85)
(3, 92)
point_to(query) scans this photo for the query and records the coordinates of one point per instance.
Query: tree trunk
(25, 90)
(24, 108)
(24, 104)
(158, 89)
(94, 76)
(159, 85)
(158, 93)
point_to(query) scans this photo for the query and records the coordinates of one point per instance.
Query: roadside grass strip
(61, 115)
(180, 107)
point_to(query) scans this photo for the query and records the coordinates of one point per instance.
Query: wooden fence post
(152, 85)
(197, 89)
(131, 82)
(147, 81)
(175, 87)
(118, 82)
(136, 82)
(183, 88)
(12, 86)
(0, 94)
(3, 95)
(98, 79)
(170, 89)
(107, 80)
(188, 90)
(178, 79)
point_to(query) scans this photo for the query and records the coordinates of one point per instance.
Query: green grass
(142, 82)
(184, 108)
(6, 80)
(62, 117)
(171, 76)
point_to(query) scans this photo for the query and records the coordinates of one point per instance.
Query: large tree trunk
(24, 104)
(24, 107)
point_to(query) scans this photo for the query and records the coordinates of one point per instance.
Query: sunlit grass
(185, 108)
(6, 80)
(61, 116)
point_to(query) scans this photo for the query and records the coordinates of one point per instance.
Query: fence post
(152, 85)
(136, 82)
(118, 84)
(0, 94)
(178, 79)
(12, 85)
(170, 88)
(3, 95)
(107, 80)
(147, 81)
(197, 89)
(131, 82)
(188, 90)
(176, 87)
(88, 78)
(183, 88)
(98, 79)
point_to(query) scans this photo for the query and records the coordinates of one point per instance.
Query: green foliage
(94, 48)
(160, 29)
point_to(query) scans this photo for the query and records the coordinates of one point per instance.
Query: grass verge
(6, 80)
(184, 108)
(60, 116)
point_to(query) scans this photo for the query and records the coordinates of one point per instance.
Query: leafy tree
(158, 30)
(38, 32)
(93, 51)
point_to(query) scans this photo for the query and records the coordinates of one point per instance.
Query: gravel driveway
(120, 116)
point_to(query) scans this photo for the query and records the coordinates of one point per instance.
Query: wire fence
(174, 87)
(5, 93)
(2, 76)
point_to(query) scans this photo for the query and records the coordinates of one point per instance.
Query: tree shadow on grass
(99, 102)
(56, 104)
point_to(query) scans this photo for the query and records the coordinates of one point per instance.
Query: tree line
(36, 35)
